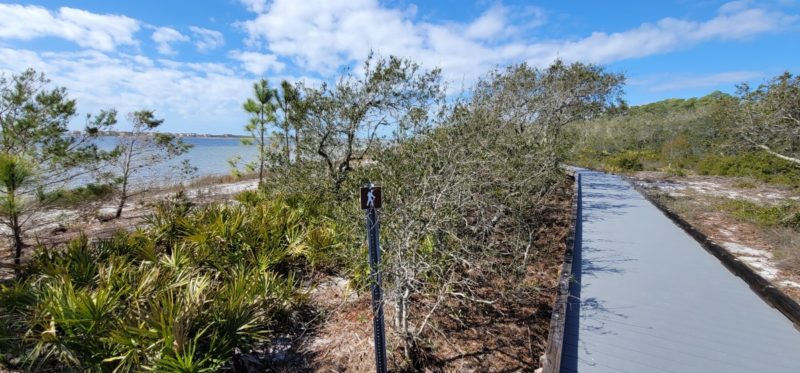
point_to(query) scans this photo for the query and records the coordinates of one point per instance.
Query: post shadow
(569, 354)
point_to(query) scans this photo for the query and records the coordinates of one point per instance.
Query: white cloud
(735, 6)
(207, 95)
(258, 63)
(488, 25)
(89, 30)
(666, 35)
(206, 40)
(666, 83)
(321, 36)
(165, 36)
(256, 6)
(192, 97)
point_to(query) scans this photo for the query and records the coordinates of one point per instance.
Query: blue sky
(194, 62)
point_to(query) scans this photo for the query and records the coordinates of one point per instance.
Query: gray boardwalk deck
(648, 298)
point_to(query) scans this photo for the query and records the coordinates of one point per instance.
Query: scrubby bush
(627, 161)
(86, 193)
(786, 215)
(195, 289)
(752, 134)
(760, 166)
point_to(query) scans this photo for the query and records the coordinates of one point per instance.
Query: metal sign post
(371, 202)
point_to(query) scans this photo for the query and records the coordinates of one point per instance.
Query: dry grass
(787, 249)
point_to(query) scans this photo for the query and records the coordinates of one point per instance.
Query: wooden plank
(551, 360)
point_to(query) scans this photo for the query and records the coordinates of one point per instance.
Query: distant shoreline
(182, 135)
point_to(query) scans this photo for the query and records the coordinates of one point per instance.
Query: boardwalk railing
(551, 360)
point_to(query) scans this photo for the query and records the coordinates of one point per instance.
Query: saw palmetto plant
(193, 290)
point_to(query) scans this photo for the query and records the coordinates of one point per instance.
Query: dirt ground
(765, 249)
(59, 225)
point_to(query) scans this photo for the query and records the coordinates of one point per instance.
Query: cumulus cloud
(201, 97)
(666, 35)
(321, 36)
(258, 63)
(206, 40)
(165, 36)
(89, 30)
(488, 25)
(207, 95)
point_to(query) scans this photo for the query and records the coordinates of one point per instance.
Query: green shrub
(787, 215)
(626, 161)
(675, 170)
(87, 193)
(193, 290)
(761, 166)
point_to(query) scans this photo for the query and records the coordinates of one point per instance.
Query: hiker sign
(370, 197)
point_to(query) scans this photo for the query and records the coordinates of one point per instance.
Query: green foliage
(195, 289)
(755, 134)
(191, 291)
(344, 122)
(627, 161)
(768, 117)
(624, 161)
(38, 153)
(76, 196)
(760, 166)
(787, 215)
(261, 108)
(15, 174)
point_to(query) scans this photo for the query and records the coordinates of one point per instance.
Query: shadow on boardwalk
(646, 297)
(582, 266)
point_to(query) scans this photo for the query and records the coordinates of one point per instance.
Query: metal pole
(373, 229)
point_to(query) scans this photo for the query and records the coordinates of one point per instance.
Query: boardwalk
(650, 299)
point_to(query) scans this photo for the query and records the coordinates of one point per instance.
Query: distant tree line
(754, 132)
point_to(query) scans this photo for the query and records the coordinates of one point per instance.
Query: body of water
(209, 155)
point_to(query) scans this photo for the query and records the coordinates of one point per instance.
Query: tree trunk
(18, 243)
(126, 174)
(123, 197)
(120, 206)
(296, 144)
(261, 153)
(286, 137)
(261, 156)
(402, 325)
(781, 156)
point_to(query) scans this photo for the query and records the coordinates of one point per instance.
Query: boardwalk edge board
(551, 360)
(768, 292)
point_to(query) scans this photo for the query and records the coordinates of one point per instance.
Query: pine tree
(38, 153)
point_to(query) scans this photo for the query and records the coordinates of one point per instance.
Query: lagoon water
(209, 155)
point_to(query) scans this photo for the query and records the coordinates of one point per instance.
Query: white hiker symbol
(370, 198)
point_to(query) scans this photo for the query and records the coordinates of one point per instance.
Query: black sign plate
(371, 197)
